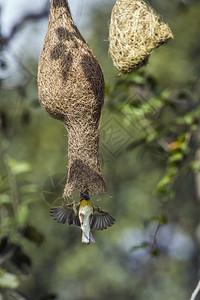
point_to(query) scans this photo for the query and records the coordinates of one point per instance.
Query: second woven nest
(135, 31)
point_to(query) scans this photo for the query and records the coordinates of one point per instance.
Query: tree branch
(196, 291)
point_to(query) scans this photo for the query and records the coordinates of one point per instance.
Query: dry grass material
(135, 31)
(71, 89)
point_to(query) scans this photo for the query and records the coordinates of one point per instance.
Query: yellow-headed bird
(84, 215)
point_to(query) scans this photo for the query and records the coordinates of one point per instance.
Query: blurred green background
(149, 154)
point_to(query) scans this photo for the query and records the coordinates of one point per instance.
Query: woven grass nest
(71, 89)
(135, 31)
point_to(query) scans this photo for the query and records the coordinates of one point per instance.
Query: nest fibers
(71, 89)
(135, 31)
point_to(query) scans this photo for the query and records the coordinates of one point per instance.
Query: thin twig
(196, 291)
(154, 243)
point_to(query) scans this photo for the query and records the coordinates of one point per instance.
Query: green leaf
(194, 127)
(8, 280)
(22, 215)
(165, 184)
(189, 119)
(8, 221)
(30, 199)
(18, 167)
(4, 184)
(161, 219)
(155, 252)
(29, 188)
(138, 79)
(165, 94)
(152, 136)
(32, 234)
(164, 181)
(184, 147)
(4, 199)
(169, 194)
(140, 246)
(195, 166)
(176, 157)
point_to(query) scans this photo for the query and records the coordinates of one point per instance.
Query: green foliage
(17, 193)
(155, 252)
(142, 245)
(144, 105)
(162, 220)
(17, 167)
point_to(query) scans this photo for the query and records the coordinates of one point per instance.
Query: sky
(13, 10)
(28, 42)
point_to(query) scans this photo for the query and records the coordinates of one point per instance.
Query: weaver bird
(84, 215)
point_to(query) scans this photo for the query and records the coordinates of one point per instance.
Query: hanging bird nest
(135, 31)
(71, 89)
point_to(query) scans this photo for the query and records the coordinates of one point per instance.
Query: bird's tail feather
(87, 240)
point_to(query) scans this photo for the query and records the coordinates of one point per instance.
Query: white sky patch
(179, 244)
(170, 237)
(28, 41)
(14, 10)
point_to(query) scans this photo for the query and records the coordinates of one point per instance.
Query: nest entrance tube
(71, 89)
(83, 164)
(135, 31)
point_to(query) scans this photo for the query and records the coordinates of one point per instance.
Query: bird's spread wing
(65, 215)
(101, 219)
